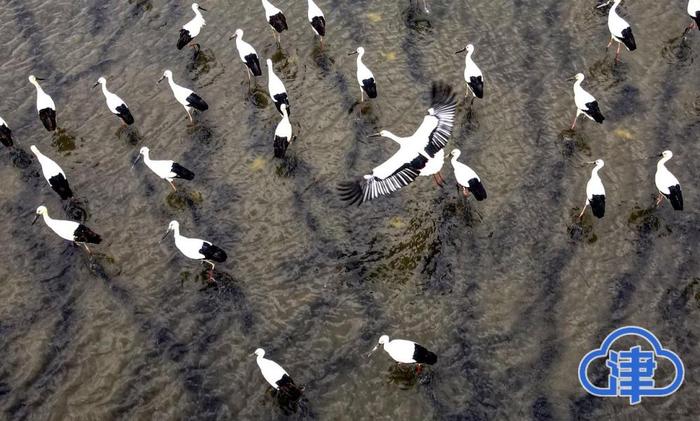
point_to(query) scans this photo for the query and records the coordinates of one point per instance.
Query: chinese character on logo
(631, 371)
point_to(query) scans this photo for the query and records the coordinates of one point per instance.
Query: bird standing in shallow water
(364, 76)
(248, 55)
(585, 103)
(595, 192)
(694, 12)
(53, 174)
(5, 134)
(192, 28)
(668, 184)
(406, 352)
(184, 96)
(472, 74)
(197, 249)
(467, 180)
(278, 92)
(283, 134)
(115, 104)
(167, 170)
(620, 30)
(44, 105)
(69, 230)
(420, 154)
(276, 376)
(317, 20)
(276, 19)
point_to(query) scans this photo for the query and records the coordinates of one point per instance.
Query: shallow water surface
(510, 292)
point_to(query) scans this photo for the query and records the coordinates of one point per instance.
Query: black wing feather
(5, 135)
(422, 356)
(476, 83)
(598, 205)
(443, 107)
(279, 22)
(319, 24)
(286, 385)
(476, 187)
(370, 187)
(628, 39)
(59, 184)
(676, 197)
(84, 234)
(370, 87)
(593, 110)
(196, 102)
(253, 63)
(124, 113)
(213, 253)
(182, 172)
(184, 39)
(48, 118)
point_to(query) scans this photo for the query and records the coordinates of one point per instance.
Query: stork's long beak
(590, 162)
(161, 78)
(353, 53)
(571, 79)
(35, 218)
(600, 6)
(39, 78)
(95, 85)
(166, 234)
(232, 36)
(461, 51)
(201, 8)
(135, 161)
(375, 135)
(372, 351)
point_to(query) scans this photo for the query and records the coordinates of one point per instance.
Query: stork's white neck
(662, 162)
(390, 135)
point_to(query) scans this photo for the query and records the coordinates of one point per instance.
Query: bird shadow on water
(201, 63)
(581, 229)
(184, 198)
(128, 135)
(258, 96)
(20, 158)
(63, 141)
(299, 408)
(608, 70)
(647, 222)
(415, 18)
(572, 142)
(200, 133)
(405, 376)
(677, 51)
(76, 209)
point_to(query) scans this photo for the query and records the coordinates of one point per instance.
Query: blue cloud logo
(631, 371)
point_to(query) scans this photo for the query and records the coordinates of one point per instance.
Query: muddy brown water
(510, 292)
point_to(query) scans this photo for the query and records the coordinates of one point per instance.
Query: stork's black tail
(628, 39)
(84, 234)
(287, 386)
(6, 136)
(196, 102)
(184, 39)
(182, 172)
(676, 197)
(125, 114)
(697, 20)
(598, 205)
(213, 253)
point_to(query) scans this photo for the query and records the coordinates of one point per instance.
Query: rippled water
(510, 292)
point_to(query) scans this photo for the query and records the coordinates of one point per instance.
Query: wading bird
(585, 103)
(668, 184)
(283, 134)
(467, 180)
(620, 30)
(167, 170)
(5, 134)
(276, 19)
(247, 54)
(278, 93)
(115, 104)
(406, 352)
(694, 12)
(44, 105)
(192, 28)
(276, 376)
(472, 74)
(197, 249)
(69, 230)
(595, 192)
(53, 174)
(317, 20)
(364, 76)
(184, 96)
(420, 154)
